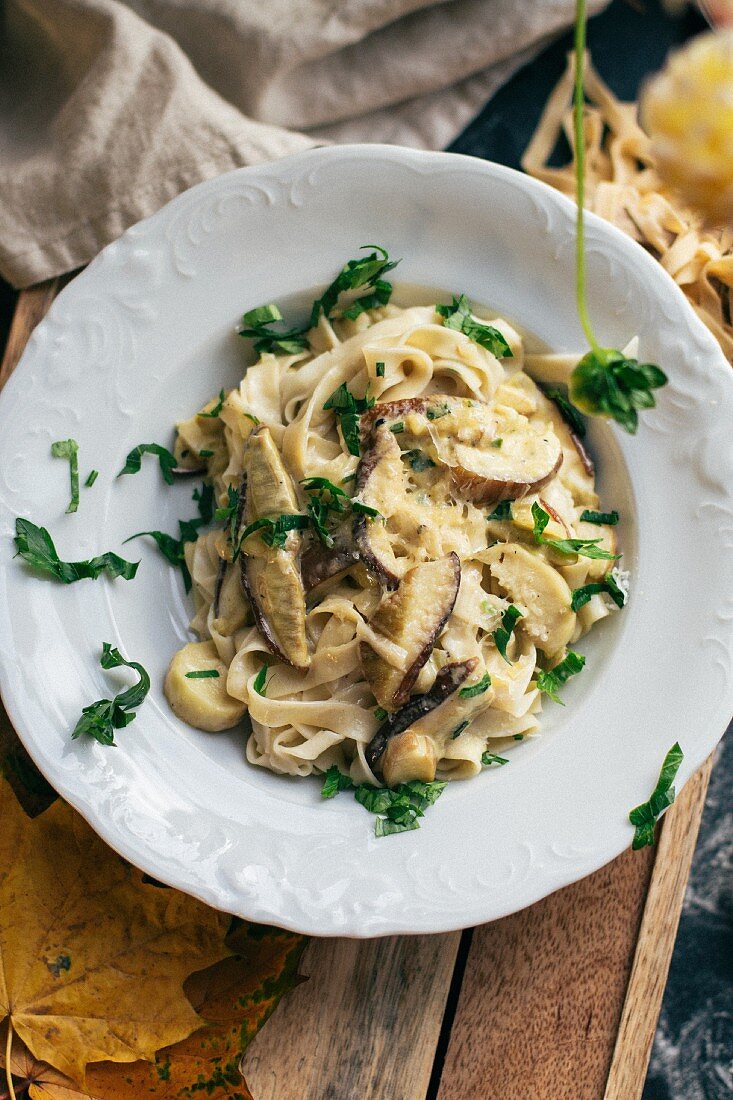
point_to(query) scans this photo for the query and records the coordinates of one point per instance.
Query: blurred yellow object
(687, 109)
(624, 187)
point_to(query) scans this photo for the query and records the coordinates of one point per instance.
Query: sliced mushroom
(270, 575)
(448, 680)
(409, 756)
(321, 564)
(379, 474)
(412, 617)
(203, 702)
(493, 452)
(539, 591)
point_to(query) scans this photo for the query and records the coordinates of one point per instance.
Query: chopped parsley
(257, 326)
(206, 454)
(69, 448)
(460, 728)
(437, 412)
(348, 409)
(36, 547)
(380, 714)
(214, 413)
(274, 532)
(418, 460)
(503, 510)
(93, 475)
(379, 370)
(325, 498)
(203, 674)
(491, 758)
(586, 548)
(503, 633)
(335, 781)
(644, 817)
(551, 681)
(399, 810)
(608, 518)
(99, 720)
(458, 316)
(365, 509)
(260, 684)
(497, 443)
(172, 548)
(476, 689)
(581, 596)
(398, 427)
(567, 411)
(168, 461)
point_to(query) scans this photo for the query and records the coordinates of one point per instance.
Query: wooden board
(560, 1000)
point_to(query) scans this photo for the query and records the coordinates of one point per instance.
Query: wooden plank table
(558, 1001)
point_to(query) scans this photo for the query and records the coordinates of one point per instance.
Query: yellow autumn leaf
(92, 959)
(234, 997)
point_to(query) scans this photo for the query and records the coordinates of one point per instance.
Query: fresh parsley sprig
(644, 817)
(458, 316)
(399, 809)
(586, 548)
(605, 382)
(258, 327)
(172, 548)
(609, 585)
(551, 680)
(476, 689)
(348, 409)
(503, 633)
(99, 720)
(215, 412)
(69, 448)
(133, 462)
(274, 532)
(36, 546)
(324, 498)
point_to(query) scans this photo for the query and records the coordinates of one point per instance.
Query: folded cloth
(110, 108)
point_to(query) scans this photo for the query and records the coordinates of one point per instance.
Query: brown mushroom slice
(530, 582)
(320, 564)
(379, 477)
(270, 574)
(412, 618)
(493, 452)
(448, 680)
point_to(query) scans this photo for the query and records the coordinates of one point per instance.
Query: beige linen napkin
(110, 108)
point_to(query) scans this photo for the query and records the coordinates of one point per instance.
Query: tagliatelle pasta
(428, 581)
(623, 187)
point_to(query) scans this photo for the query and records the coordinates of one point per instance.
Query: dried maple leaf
(92, 960)
(235, 997)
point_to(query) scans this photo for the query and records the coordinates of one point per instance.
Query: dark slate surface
(693, 1048)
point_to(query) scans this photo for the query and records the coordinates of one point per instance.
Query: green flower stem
(578, 107)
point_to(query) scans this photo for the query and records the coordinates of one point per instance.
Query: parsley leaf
(380, 714)
(586, 548)
(99, 720)
(172, 548)
(35, 546)
(214, 413)
(258, 327)
(476, 689)
(365, 509)
(581, 596)
(503, 510)
(644, 817)
(348, 409)
(203, 674)
(418, 460)
(491, 758)
(460, 728)
(260, 682)
(551, 681)
(93, 475)
(379, 370)
(69, 448)
(366, 271)
(274, 532)
(326, 498)
(437, 412)
(567, 410)
(505, 631)
(335, 781)
(458, 316)
(168, 462)
(609, 518)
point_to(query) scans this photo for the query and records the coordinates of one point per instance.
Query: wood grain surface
(558, 1001)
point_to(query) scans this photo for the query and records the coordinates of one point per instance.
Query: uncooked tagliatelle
(411, 543)
(623, 186)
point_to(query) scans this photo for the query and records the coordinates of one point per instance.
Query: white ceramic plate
(145, 334)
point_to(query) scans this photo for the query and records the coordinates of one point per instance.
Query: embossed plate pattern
(146, 333)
